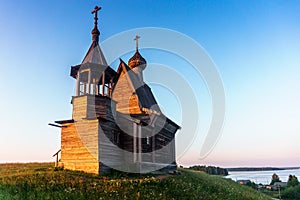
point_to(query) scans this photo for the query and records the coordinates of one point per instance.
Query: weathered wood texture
(127, 130)
(78, 153)
(96, 141)
(93, 106)
(109, 144)
(128, 102)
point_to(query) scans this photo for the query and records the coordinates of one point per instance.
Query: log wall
(123, 93)
(77, 154)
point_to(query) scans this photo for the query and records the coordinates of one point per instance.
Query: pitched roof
(143, 91)
(95, 55)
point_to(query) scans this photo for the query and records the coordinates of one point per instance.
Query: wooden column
(140, 142)
(77, 93)
(109, 89)
(153, 146)
(173, 149)
(134, 141)
(103, 83)
(56, 161)
(96, 87)
(89, 83)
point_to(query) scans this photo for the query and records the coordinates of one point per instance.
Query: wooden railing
(56, 154)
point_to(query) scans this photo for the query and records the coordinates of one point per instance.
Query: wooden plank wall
(83, 149)
(109, 144)
(76, 154)
(100, 106)
(79, 140)
(123, 93)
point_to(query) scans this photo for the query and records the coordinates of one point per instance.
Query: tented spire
(94, 54)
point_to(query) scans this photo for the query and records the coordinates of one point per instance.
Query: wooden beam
(55, 125)
(57, 153)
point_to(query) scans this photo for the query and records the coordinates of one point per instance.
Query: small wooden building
(116, 122)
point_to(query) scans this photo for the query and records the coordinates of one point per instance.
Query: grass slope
(41, 181)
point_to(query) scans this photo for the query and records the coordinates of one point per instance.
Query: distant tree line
(210, 170)
(240, 169)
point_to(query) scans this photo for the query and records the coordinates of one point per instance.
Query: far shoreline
(244, 169)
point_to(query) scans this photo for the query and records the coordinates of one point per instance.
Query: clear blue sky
(255, 45)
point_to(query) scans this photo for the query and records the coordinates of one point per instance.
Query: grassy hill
(41, 181)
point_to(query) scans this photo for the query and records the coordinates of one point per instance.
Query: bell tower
(93, 79)
(80, 140)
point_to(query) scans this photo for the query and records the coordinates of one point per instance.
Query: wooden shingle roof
(95, 55)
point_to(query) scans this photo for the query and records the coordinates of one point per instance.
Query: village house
(278, 185)
(243, 182)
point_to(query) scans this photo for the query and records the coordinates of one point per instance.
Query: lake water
(263, 177)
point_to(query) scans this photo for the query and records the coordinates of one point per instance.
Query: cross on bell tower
(95, 31)
(93, 76)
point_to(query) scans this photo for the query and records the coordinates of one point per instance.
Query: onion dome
(137, 59)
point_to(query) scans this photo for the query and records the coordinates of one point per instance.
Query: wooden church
(116, 122)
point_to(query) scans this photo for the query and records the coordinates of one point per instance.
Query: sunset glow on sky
(255, 46)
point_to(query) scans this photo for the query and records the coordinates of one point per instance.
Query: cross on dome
(137, 37)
